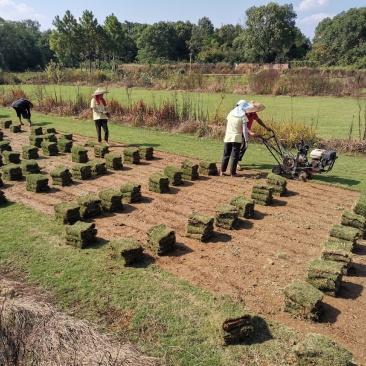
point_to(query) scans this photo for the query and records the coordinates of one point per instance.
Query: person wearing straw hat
(236, 123)
(100, 114)
(252, 115)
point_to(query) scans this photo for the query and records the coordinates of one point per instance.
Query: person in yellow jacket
(236, 125)
(100, 114)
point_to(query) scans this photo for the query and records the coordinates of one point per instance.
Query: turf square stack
(359, 207)
(1, 181)
(111, 200)
(345, 233)
(129, 249)
(36, 131)
(61, 176)
(200, 226)
(113, 161)
(131, 192)
(245, 206)
(67, 212)
(36, 140)
(5, 124)
(320, 350)
(67, 136)
(278, 183)
(97, 167)
(11, 157)
(303, 300)
(131, 156)
(79, 154)
(207, 168)
(158, 183)
(30, 167)
(30, 152)
(12, 172)
(100, 150)
(90, 205)
(1, 160)
(161, 239)
(146, 152)
(81, 234)
(226, 216)
(15, 128)
(49, 137)
(37, 183)
(1, 135)
(325, 275)
(339, 251)
(238, 330)
(262, 194)
(81, 171)
(3, 200)
(50, 130)
(64, 145)
(354, 220)
(190, 170)
(5, 146)
(49, 148)
(174, 174)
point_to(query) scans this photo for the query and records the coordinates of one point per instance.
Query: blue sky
(220, 12)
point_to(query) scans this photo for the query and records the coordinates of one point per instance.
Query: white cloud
(314, 19)
(9, 10)
(311, 4)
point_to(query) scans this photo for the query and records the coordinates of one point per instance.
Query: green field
(331, 117)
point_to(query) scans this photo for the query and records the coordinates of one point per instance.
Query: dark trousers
(231, 150)
(99, 124)
(243, 149)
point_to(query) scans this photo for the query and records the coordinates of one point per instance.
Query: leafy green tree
(202, 35)
(184, 34)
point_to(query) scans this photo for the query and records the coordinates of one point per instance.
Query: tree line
(269, 35)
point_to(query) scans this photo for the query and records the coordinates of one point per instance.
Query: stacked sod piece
(207, 168)
(79, 154)
(111, 200)
(226, 216)
(81, 171)
(339, 251)
(354, 220)
(158, 183)
(1, 160)
(245, 206)
(113, 161)
(161, 239)
(303, 300)
(190, 170)
(67, 212)
(11, 157)
(90, 205)
(12, 172)
(49, 148)
(131, 192)
(359, 206)
(320, 350)
(50, 130)
(5, 124)
(100, 150)
(15, 128)
(131, 156)
(36, 131)
(200, 226)
(36, 140)
(146, 152)
(64, 145)
(238, 330)
(91, 143)
(67, 136)
(49, 137)
(5, 146)
(1, 135)
(343, 232)
(30, 152)
(325, 275)
(97, 167)
(37, 183)
(80, 234)
(61, 176)
(174, 174)
(3, 200)
(278, 183)
(30, 167)
(1, 181)
(262, 194)
(129, 249)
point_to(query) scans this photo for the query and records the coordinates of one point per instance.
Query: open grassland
(339, 118)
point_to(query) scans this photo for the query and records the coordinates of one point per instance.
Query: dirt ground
(252, 263)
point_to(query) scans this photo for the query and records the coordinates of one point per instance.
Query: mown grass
(340, 118)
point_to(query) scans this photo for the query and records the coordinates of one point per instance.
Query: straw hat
(257, 107)
(100, 91)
